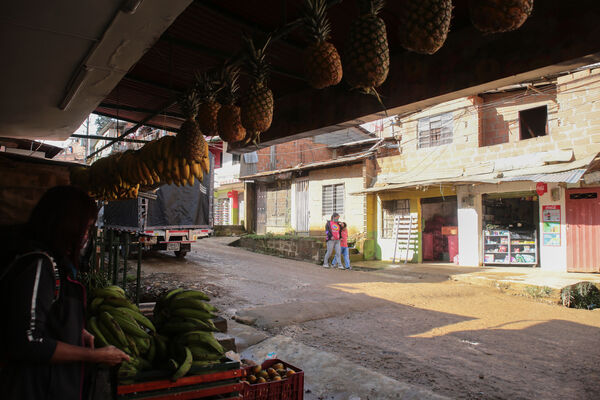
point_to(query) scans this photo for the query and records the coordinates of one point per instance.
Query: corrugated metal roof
(315, 165)
(342, 137)
(572, 176)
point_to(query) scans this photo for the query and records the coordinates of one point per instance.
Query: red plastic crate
(219, 380)
(291, 388)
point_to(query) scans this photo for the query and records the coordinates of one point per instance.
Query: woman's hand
(109, 355)
(88, 339)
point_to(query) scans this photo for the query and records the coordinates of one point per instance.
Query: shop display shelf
(510, 241)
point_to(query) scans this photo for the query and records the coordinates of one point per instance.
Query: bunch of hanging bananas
(160, 162)
(120, 175)
(103, 181)
(184, 317)
(115, 321)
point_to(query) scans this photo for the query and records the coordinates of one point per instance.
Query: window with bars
(391, 209)
(435, 131)
(333, 199)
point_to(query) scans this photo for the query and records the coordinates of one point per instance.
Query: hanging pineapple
(207, 87)
(424, 25)
(190, 141)
(322, 64)
(492, 16)
(229, 116)
(257, 104)
(367, 56)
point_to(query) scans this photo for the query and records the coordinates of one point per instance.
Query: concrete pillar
(469, 227)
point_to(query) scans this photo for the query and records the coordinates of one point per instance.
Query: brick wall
(290, 154)
(482, 133)
(499, 113)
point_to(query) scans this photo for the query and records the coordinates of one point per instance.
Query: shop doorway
(583, 230)
(440, 231)
(510, 235)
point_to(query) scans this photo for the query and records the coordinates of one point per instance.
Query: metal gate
(261, 209)
(302, 206)
(583, 230)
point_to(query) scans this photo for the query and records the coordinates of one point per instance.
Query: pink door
(583, 230)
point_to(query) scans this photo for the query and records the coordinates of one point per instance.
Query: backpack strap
(38, 253)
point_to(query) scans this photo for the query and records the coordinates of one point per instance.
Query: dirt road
(458, 340)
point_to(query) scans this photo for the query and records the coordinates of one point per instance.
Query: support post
(109, 241)
(139, 271)
(125, 254)
(115, 258)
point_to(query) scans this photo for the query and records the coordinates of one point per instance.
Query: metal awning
(570, 172)
(572, 176)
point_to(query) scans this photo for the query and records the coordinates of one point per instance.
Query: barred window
(391, 209)
(333, 199)
(435, 131)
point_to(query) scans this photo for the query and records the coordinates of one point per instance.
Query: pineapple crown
(315, 19)
(370, 7)
(189, 102)
(256, 62)
(230, 75)
(207, 86)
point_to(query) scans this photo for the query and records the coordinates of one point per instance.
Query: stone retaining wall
(305, 249)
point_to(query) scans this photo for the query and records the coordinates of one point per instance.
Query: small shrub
(582, 295)
(538, 292)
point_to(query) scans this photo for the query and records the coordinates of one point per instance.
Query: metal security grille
(391, 209)
(333, 199)
(435, 131)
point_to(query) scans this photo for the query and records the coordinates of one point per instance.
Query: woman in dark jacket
(44, 343)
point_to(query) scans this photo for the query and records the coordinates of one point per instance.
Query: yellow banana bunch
(120, 175)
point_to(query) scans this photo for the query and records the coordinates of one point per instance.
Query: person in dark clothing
(43, 343)
(332, 237)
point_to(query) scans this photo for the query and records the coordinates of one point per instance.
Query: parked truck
(170, 218)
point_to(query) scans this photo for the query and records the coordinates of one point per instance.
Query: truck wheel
(181, 254)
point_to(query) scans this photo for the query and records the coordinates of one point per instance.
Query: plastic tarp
(179, 206)
(175, 207)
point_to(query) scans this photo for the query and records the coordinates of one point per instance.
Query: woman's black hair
(334, 215)
(60, 220)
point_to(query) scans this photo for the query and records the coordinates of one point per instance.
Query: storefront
(510, 229)
(519, 224)
(440, 229)
(417, 224)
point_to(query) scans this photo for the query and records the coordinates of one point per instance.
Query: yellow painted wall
(384, 248)
(353, 215)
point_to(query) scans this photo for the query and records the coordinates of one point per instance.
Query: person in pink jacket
(343, 247)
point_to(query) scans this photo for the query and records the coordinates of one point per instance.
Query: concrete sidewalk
(522, 280)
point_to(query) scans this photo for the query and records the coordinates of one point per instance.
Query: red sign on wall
(541, 188)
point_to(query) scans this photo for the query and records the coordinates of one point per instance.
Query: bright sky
(81, 130)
